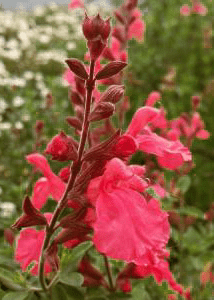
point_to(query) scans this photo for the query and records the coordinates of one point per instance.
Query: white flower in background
(28, 75)
(21, 82)
(39, 76)
(71, 45)
(39, 11)
(2, 40)
(3, 105)
(7, 209)
(18, 101)
(13, 43)
(19, 125)
(26, 117)
(44, 39)
(3, 71)
(43, 57)
(5, 126)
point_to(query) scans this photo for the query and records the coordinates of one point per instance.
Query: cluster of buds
(96, 31)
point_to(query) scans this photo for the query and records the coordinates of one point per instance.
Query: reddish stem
(75, 168)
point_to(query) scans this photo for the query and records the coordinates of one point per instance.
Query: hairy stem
(75, 168)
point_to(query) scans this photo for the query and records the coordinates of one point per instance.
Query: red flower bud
(96, 31)
(74, 122)
(62, 148)
(103, 110)
(31, 216)
(77, 231)
(196, 102)
(113, 94)
(110, 69)
(77, 67)
(39, 126)
(119, 17)
(9, 236)
(76, 98)
(51, 256)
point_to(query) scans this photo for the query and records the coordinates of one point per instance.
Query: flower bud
(113, 94)
(110, 69)
(103, 110)
(62, 148)
(39, 126)
(196, 102)
(31, 216)
(9, 236)
(74, 122)
(77, 67)
(51, 255)
(96, 31)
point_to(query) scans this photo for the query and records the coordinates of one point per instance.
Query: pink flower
(153, 98)
(137, 27)
(127, 227)
(170, 154)
(185, 10)
(200, 9)
(51, 184)
(141, 118)
(75, 4)
(28, 250)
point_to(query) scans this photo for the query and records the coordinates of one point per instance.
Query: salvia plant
(108, 209)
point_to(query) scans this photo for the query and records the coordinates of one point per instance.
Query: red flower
(127, 227)
(28, 249)
(45, 186)
(75, 4)
(62, 148)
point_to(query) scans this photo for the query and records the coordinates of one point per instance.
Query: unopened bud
(9, 236)
(103, 110)
(74, 122)
(113, 94)
(62, 148)
(31, 216)
(110, 69)
(39, 126)
(76, 98)
(196, 102)
(96, 31)
(77, 67)
(119, 17)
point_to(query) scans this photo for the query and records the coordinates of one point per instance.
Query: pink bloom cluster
(196, 8)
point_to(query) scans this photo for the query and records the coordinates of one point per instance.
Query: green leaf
(152, 193)
(139, 292)
(74, 293)
(191, 211)
(184, 183)
(58, 292)
(16, 296)
(70, 259)
(73, 278)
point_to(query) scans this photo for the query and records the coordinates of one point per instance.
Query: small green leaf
(73, 279)
(70, 259)
(16, 296)
(152, 193)
(191, 211)
(184, 183)
(58, 292)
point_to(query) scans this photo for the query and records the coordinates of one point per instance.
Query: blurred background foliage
(176, 58)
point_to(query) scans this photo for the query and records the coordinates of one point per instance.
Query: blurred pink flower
(185, 10)
(75, 4)
(137, 27)
(51, 184)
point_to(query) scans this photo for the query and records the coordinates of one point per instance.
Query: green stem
(109, 274)
(75, 168)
